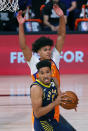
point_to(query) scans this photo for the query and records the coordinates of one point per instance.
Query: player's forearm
(44, 110)
(22, 36)
(62, 27)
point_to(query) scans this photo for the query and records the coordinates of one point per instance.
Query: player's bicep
(36, 98)
(59, 43)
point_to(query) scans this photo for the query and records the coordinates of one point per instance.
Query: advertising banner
(74, 56)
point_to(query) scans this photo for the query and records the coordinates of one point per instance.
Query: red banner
(74, 57)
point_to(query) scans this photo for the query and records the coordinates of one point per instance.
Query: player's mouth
(46, 81)
(48, 56)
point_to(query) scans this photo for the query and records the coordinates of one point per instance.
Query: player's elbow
(37, 114)
(22, 47)
(62, 36)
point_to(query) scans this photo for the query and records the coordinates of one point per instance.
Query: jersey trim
(48, 86)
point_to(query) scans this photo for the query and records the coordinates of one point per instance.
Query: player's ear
(39, 51)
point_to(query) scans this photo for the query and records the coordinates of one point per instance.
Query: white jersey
(55, 57)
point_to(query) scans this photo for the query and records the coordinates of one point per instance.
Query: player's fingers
(63, 99)
(62, 102)
(55, 6)
(63, 95)
(58, 11)
(76, 109)
(25, 17)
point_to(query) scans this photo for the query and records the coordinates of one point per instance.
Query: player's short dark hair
(41, 42)
(43, 63)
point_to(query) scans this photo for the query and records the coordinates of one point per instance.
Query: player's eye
(42, 73)
(45, 49)
(47, 71)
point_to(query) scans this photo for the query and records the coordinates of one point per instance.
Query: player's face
(45, 75)
(45, 53)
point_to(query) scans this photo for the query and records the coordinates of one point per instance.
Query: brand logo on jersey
(52, 84)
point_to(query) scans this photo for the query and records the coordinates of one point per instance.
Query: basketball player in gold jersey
(44, 97)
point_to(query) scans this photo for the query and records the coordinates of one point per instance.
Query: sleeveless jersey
(55, 59)
(49, 95)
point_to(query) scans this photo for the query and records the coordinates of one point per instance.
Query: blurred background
(75, 11)
(15, 79)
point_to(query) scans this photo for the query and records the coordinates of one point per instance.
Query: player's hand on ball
(20, 19)
(58, 10)
(69, 100)
(59, 98)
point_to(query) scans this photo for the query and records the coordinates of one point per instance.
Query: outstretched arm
(25, 49)
(62, 28)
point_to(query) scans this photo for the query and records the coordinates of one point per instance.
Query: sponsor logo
(70, 56)
(67, 56)
(17, 57)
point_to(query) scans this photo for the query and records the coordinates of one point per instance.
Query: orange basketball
(69, 100)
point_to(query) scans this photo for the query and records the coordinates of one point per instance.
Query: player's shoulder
(35, 55)
(34, 84)
(55, 51)
(35, 89)
(34, 60)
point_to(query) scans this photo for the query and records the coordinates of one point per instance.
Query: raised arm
(36, 98)
(61, 30)
(25, 49)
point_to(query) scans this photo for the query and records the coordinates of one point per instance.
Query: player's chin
(48, 57)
